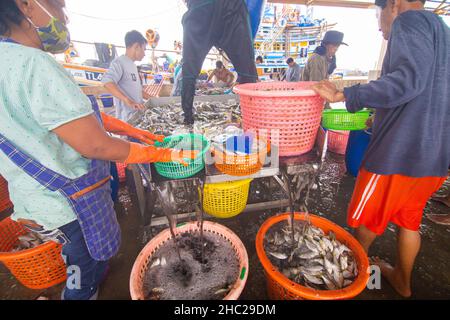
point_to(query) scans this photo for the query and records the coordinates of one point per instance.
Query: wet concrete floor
(431, 277)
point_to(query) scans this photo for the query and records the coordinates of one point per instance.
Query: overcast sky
(109, 20)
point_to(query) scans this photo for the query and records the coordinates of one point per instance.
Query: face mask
(55, 37)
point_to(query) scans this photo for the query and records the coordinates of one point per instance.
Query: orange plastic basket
(279, 287)
(5, 202)
(141, 264)
(38, 268)
(239, 165)
(290, 108)
(337, 141)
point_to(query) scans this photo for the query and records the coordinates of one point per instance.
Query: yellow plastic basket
(227, 199)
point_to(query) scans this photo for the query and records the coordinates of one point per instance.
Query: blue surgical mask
(55, 37)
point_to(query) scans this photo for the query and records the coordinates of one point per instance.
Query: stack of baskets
(241, 164)
(5, 202)
(340, 123)
(174, 170)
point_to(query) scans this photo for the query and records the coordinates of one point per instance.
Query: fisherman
(221, 23)
(294, 71)
(322, 63)
(224, 78)
(409, 153)
(122, 79)
(54, 150)
(178, 80)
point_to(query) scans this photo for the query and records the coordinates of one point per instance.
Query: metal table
(144, 175)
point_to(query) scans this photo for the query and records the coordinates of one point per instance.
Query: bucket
(358, 142)
(291, 108)
(141, 264)
(279, 287)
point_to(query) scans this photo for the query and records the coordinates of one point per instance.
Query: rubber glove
(122, 128)
(146, 154)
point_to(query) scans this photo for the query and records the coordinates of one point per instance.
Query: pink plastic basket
(121, 171)
(337, 141)
(290, 107)
(142, 262)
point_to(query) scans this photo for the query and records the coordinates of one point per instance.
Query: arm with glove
(86, 136)
(122, 128)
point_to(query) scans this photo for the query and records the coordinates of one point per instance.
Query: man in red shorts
(408, 156)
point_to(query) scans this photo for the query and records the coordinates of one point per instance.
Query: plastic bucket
(279, 287)
(141, 264)
(358, 142)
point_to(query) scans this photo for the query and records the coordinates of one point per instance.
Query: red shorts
(380, 199)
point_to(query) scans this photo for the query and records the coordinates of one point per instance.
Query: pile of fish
(28, 241)
(311, 258)
(210, 118)
(211, 91)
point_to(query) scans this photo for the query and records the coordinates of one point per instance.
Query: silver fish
(278, 255)
(313, 279)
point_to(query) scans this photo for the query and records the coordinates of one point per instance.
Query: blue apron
(89, 196)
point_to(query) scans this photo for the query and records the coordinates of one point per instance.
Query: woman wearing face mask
(54, 150)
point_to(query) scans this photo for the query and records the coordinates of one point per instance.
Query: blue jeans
(84, 274)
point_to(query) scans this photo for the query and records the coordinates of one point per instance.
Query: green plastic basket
(344, 120)
(174, 170)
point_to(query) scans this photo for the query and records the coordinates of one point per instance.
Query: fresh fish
(328, 265)
(343, 262)
(221, 291)
(155, 263)
(347, 274)
(309, 255)
(328, 283)
(318, 260)
(347, 283)
(278, 255)
(157, 290)
(313, 279)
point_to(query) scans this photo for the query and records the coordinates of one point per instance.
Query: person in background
(260, 71)
(55, 152)
(224, 24)
(322, 63)
(122, 79)
(223, 76)
(293, 73)
(178, 80)
(408, 157)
